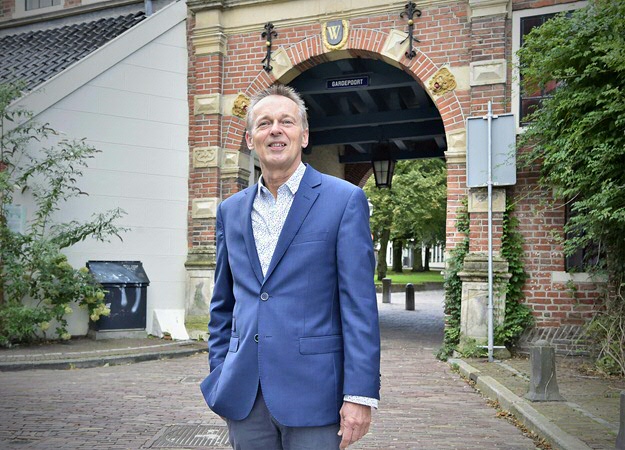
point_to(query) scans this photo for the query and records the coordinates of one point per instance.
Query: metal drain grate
(192, 380)
(191, 436)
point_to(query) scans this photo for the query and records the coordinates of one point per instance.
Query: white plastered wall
(136, 113)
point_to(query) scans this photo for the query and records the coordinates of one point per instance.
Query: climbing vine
(453, 286)
(517, 315)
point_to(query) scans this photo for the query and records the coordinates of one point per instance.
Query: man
(294, 346)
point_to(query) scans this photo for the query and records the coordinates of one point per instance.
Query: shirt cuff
(367, 401)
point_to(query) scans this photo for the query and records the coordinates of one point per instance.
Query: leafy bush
(37, 284)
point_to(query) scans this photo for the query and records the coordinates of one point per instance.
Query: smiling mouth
(277, 146)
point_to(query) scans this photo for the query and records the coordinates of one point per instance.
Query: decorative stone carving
(205, 157)
(234, 164)
(209, 40)
(204, 208)
(282, 66)
(456, 147)
(488, 72)
(207, 104)
(335, 34)
(478, 200)
(442, 81)
(483, 8)
(240, 106)
(200, 267)
(395, 46)
(474, 304)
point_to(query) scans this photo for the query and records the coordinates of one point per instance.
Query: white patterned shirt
(268, 217)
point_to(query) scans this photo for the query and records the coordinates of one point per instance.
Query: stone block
(488, 72)
(543, 382)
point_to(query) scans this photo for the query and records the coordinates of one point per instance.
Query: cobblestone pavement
(424, 404)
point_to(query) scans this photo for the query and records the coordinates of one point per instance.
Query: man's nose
(276, 128)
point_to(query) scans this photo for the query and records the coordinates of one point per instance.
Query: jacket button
(256, 338)
(264, 296)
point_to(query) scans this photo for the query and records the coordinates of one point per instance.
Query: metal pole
(490, 233)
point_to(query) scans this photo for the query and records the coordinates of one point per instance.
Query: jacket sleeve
(222, 302)
(358, 302)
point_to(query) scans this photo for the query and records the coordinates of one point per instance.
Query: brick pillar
(487, 79)
(207, 48)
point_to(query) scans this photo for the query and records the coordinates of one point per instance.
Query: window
(583, 257)
(38, 4)
(522, 23)
(530, 101)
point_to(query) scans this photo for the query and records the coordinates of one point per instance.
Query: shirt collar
(292, 183)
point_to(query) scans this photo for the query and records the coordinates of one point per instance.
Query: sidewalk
(85, 353)
(587, 419)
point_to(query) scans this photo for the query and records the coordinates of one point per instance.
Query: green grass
(413, 277)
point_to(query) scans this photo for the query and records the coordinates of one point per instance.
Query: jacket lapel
(248, 234)
(303, 201)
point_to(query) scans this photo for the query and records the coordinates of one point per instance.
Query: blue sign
(348, 82)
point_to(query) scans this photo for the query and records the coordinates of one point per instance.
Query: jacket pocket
(314, 345)
(234, 344)
(317, 236)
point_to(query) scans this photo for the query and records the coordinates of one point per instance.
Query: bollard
(409, 297)
(386, 290)
(543, 384)
(620, 439)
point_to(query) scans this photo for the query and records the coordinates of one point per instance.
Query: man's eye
(262, 124)
(287, 122)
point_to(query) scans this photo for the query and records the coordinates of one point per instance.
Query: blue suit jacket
(309, 329)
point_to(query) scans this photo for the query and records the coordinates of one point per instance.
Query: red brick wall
(447, 38)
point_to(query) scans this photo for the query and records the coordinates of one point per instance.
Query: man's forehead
(273, 103)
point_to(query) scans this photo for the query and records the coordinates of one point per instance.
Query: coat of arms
(335, 34)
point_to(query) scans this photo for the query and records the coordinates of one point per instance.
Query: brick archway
(363, 43)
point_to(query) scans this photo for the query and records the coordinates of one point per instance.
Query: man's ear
(305, 138)
(248, 139)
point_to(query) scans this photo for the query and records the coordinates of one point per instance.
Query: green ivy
(453, 286)
(517, 315)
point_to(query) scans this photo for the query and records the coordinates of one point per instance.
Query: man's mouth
(277, 145)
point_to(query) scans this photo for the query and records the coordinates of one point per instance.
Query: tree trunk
(382, 266)
(426, 266)
(397, 256)
(417, 262)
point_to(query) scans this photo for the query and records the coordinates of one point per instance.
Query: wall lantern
(383, 171)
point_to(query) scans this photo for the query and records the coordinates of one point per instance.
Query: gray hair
(280, 90)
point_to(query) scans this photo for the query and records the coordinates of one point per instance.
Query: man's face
(277, 135)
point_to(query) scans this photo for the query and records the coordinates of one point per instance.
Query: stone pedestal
(200, 267)
(474, 306)
(543, 382)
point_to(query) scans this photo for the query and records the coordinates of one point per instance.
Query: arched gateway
(459, 61)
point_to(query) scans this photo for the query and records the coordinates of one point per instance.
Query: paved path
(424, 406)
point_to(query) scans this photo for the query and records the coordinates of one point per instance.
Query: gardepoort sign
(338, 83)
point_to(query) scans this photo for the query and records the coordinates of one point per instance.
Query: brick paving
(424, 404)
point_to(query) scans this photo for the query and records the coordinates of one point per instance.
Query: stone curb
(90, 362)
(520, 408)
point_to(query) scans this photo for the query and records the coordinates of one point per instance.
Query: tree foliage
(577, 137)
(415, 207)
(37, 284)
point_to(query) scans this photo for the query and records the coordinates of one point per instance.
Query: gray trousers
(260, 431)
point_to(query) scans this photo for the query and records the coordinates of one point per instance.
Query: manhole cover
(190, 436)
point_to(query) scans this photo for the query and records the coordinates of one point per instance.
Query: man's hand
(355, 421)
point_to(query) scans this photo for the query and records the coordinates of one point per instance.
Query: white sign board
(503, 147)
